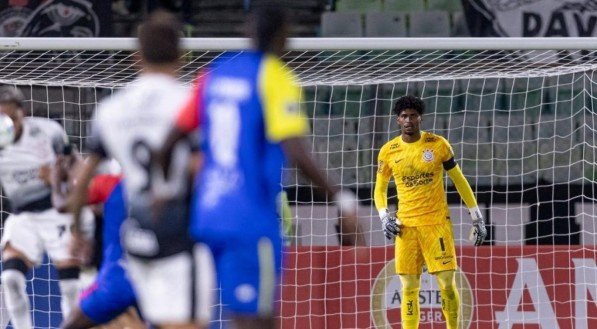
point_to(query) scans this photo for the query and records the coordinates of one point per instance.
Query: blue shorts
(248, 270)
(109, 296)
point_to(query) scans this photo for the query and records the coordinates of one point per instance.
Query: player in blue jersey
(246, 106)
(111, 294)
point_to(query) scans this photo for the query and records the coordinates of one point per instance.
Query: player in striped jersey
(34, 226)
(417, 161)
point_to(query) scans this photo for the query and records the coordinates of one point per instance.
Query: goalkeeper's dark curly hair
(409, 102)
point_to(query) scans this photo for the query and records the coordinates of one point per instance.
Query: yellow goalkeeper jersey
(418, 172)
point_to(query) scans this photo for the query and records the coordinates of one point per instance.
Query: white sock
(69, 289)
(15, 296)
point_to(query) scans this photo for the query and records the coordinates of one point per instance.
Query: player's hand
(478, 231)
(81, 248)
(45, 174)
(350, 229)
(391, 226)
(352, 233)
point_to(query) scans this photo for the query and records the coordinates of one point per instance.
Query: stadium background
(530, 197)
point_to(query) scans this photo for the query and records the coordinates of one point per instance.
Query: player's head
(11, 104)
(408, 110)
(159, 40)
(268, 27)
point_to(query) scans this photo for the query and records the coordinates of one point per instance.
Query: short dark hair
(267, 19)
(9, 94)
(159, 38)
(409, 102)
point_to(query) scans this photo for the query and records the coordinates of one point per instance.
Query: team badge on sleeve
(428, 155)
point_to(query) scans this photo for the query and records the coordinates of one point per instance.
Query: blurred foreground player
(423, 231)
(111, 294)
(128, 127)
(34, 226)
(246, 107)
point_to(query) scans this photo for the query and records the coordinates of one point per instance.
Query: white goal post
(520, 113)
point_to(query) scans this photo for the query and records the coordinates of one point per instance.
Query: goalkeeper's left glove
(478, 231)
(390, 224)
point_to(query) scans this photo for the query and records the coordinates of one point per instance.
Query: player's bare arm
(295, 150)
(64, 177)
(80, 247)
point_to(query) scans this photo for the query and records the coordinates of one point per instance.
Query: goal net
(519, 115)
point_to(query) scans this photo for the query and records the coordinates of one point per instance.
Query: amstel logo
(386, 297)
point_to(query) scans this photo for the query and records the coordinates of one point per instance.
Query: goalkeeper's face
(410, 121)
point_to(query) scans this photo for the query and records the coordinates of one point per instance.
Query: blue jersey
(114, 216)
(111, 293)
(244, 106)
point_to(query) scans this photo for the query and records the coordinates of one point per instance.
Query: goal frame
(222, 44)
(302, 256)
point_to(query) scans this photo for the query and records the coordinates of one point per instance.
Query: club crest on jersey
(428, 155)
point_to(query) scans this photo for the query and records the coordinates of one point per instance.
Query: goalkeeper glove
(390, 224)
(478, 231)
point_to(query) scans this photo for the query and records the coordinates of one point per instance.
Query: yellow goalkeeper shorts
(432, 244)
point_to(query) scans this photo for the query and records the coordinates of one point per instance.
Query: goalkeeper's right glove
(478, 231)
(390, 224)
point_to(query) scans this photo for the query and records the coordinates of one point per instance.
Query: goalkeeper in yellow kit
(422, 228)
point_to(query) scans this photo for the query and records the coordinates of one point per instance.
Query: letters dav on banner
(531, 18)
(500, 287)
(55, 18)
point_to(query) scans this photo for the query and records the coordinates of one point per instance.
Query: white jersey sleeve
(20, 164)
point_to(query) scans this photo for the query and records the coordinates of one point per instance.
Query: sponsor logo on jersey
(428, 155)
(393, 146)
(386, 299)
(423, 178)
(429, 139)
(23, 176)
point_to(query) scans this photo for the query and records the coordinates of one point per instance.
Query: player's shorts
(109, 296)
(173, 289)
(32, 233)
(248, 270)
(432, 244)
